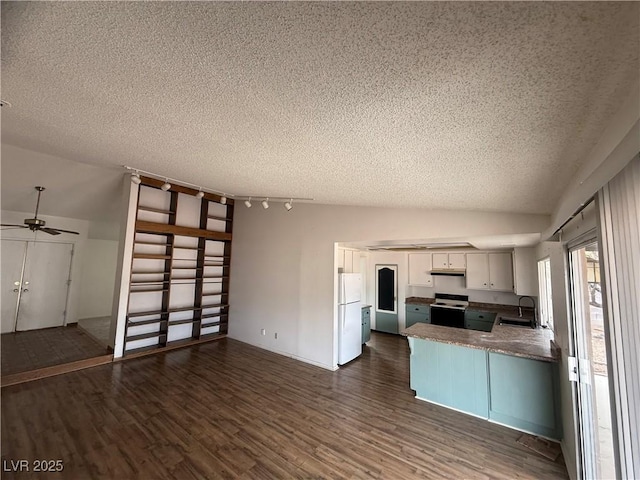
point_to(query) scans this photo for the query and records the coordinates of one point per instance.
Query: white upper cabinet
(477, 271)
(448, 260)
(525, 271)
(501, 272)
(419, 269)
(489, 271)
(348, 261)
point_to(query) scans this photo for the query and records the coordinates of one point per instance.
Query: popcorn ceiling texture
(475, 105)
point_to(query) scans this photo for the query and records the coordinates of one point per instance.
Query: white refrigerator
(349, 317)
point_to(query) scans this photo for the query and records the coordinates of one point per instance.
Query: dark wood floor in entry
(230, 410)
(34, 349)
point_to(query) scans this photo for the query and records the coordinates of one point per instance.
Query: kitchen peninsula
(508, 375)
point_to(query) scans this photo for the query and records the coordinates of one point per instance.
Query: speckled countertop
(366, 306)
(518, 341)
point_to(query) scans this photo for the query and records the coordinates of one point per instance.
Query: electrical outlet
(276, 335)
(263, 331)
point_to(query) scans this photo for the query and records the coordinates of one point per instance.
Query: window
(546, 303)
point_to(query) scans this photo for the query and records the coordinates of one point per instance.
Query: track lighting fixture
(199, 193)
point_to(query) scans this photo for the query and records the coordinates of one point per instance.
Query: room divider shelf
(161, 248)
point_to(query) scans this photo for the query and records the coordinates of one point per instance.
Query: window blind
(619, 207)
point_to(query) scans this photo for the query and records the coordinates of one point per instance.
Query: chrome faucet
(533, 302)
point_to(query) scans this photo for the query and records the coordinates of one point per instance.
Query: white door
(440, 260)
(12, 257)
(42, 283)
(592, 401)
(501, 271)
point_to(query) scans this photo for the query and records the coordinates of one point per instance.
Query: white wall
(98, 278)
(283, 267)
(79, 241)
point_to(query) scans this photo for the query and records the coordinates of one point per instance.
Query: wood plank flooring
(34, 349)
(229, 410)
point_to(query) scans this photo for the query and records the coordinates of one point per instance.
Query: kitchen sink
(515, 322)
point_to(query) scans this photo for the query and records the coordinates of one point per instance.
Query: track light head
(288, 205)
(200, 194)
(248, 203)
(135, 178)
(166, 186)
(265, 203)
(223, 199)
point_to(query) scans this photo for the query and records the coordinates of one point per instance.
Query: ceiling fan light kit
(36, 224)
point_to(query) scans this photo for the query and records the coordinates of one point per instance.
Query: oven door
(447, 317)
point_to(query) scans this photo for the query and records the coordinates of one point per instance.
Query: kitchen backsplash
(457, 285)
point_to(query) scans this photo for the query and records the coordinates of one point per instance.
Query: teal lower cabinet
(387, 322)
(517, 392)
(416, 314)
(366, 324)
(524, 394)
(450, 375)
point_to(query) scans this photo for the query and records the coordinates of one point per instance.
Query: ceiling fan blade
(59, 231)
(12, 225)
(50, 231)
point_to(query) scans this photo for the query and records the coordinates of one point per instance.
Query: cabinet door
(523, 394)
(477, 271)
(419, 268)
(500, 271)
(440, 260)
(457, 260)
(348, 261)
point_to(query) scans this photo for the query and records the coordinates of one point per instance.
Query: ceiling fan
(36, 224)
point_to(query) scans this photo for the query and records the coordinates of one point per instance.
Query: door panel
(44, 287)
(11, 270)
(386, 298)
(501, 271)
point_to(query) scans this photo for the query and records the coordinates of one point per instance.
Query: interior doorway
(387, 298)
(592, 400)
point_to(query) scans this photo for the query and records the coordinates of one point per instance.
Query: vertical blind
(619, 205)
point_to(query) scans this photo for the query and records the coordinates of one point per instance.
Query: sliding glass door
(591, 373)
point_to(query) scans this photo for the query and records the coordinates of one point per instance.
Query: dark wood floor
(34, 349)
(229, 410)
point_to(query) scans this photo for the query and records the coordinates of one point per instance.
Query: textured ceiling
(475, 105)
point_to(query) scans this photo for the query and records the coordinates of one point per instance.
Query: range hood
(450, 272)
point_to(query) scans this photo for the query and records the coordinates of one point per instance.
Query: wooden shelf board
(148, 290)
(218, 217)
(155, 210)
(144, 322)
(218, 305)
(144, 336)
(213, 315)
(161, 272)
(145, 314)
(141, 242)
(143, 226)
(151, 256)
(184, 268)
(149, 282)
(183, 322)
(187, 248)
